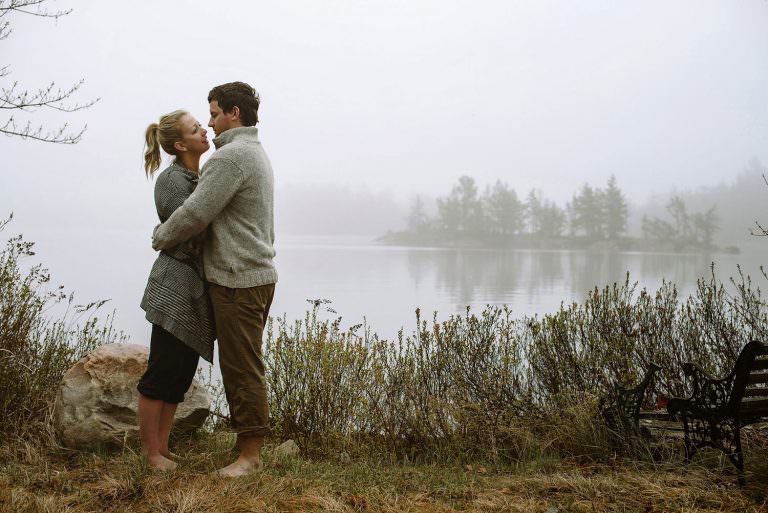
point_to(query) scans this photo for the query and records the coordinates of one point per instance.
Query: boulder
(96, 405)
(286, 450)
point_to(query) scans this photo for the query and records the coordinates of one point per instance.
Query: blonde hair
(161, 135)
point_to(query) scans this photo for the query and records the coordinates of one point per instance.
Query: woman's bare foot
(241, 467)
(169, 455)
(160, 462)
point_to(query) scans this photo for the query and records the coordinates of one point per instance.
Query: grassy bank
(46, 480)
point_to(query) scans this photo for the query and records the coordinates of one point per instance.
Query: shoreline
(530, 242)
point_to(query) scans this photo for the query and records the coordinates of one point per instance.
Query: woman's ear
(179, 146)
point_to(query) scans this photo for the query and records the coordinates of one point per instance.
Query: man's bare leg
(150, 411)
(249, 460)
(167, 415)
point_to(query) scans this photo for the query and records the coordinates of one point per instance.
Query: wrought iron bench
(718, 408)
(622, 409)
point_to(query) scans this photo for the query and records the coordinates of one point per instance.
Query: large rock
(97, 400)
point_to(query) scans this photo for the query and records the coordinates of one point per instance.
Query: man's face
(222, 121)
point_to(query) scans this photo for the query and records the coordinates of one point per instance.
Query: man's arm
(219, 182)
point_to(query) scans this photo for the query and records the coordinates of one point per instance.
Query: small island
(594, 220)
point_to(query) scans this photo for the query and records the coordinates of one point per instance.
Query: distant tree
(552, 219)
(571, 219)
(587, 212)
(470, 206)
(544, 217)
(449, 214)
(16, 98)
(533, 208)
(418, 221)
(655, 228)
(705, 224)
(679, 212)
(614, 209)
(504, 211)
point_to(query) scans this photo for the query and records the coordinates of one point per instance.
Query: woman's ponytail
(152, 149)
(162, 135)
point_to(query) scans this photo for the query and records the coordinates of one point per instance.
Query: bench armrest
(708, 392)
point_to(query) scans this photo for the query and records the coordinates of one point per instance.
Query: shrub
(35, 351)
(495, 387)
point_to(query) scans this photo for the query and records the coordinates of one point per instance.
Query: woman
(175, 300)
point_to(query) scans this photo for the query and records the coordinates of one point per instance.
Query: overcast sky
(407, 95)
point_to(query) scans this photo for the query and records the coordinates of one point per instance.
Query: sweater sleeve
(219, 181)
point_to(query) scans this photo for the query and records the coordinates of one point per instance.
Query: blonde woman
(175, 300)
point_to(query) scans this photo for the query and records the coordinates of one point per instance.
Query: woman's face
(193, 136)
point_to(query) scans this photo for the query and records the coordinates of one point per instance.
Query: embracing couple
(214, 277)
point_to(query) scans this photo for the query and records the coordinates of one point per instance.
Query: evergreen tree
(614, 210)
(470, 206)
(682, 222)
(551, 219)
(533, 211)
(417, 217)
(587, 212)
(545, 218)
(448, 214)
(504, 211)
(655, 228)
(704, 225)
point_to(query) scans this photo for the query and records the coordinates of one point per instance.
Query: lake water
(385, 284)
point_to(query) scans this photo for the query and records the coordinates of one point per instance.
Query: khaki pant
(241, 315)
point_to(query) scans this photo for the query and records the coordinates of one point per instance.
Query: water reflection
(537, 281)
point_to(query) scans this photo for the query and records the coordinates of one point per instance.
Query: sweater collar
(186, 172)
(233, 134)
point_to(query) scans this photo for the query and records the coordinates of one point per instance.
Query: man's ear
(235, 112)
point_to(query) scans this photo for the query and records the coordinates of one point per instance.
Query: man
(235, 197)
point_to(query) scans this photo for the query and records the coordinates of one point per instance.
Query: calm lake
(385, 284)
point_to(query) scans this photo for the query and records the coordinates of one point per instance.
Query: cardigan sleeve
(170, 195)
(219, 182)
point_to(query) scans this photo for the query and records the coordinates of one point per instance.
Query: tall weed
(36, 351)
(493, 386)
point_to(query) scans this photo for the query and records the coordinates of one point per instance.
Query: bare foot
(241, 467)
(160, 462)
(168, 454)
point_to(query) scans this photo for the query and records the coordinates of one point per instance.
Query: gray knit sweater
(235, 197)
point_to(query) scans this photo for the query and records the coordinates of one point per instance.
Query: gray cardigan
(235, 197)
(175, 297)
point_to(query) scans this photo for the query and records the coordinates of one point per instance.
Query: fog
(368, 103)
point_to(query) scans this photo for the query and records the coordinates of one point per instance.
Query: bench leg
(737, 457)
(726, 436)
(690, 447)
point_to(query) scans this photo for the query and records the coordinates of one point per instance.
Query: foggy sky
(408, 96)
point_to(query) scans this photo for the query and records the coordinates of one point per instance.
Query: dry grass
(54, 480)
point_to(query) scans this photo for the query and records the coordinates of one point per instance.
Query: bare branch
(761, 230)
(15, 99)
(58, 136)
(26, 6)
(51, 97)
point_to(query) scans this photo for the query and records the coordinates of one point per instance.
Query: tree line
(687, 227)
(594, 212)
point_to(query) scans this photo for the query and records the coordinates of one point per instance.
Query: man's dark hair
(240, 95)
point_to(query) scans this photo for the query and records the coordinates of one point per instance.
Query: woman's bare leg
(167, 414)
(150, 412)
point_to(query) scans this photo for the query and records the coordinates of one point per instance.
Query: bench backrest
(750, 386)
